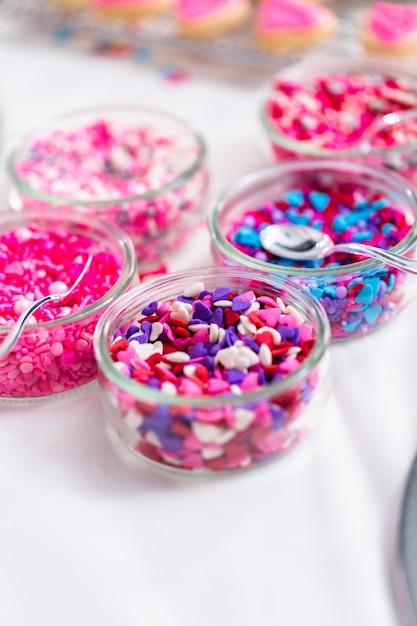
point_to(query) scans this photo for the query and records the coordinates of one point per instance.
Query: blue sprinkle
(374, 282)
(362, 236)
(372, 313)
(141, 55)
(63, 34)
(388, 229)
(365, 295)
(248, 237)
(330, 290)
(391, 283)
(380, 204)
(340, 224)
(320, 201)
(317, 224)
(294, 197)
(316, 292)
(350, 327)
(297, 218)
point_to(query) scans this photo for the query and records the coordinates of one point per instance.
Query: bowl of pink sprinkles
(42, 254)
(141, 169)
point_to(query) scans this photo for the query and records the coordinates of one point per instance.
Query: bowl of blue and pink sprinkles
(213, 370)
(348, 201)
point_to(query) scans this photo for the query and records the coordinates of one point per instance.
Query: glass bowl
(202, 433)
(359, 296)
(395, 149)
(141, 169)
(54, 354)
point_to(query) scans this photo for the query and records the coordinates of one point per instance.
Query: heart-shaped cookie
(282, 25)
(391, 28)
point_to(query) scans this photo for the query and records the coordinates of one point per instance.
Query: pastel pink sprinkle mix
(117, 164)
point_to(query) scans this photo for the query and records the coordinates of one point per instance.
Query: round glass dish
(359, 297)
(141, 169)
(55, 357)
(203, 434)
(396, 150)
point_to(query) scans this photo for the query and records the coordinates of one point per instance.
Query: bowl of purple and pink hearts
(213, 370)
(43, 253)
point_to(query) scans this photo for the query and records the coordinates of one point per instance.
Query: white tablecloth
(89, 538)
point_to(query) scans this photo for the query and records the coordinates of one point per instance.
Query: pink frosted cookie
(210, 18)
(391, 28)
(282, 25)
(130, 8)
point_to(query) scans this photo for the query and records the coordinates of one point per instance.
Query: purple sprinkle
(202, 311)
(196, 321)
(217, 317)
(171, 443)
(221, 293)
(198, 350)
(231, 336)
(209, 362)
(204, 293)
(252, 344)
(185, 299)
(234, 377)
(151, 308)
(239, 304)
(154, 382)
(262, 379)
(133, 328)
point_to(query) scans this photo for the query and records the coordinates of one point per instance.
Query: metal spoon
(303, 243)
(17, 328)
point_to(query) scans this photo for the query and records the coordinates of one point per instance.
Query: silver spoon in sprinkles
(303, 243)
(17, 328)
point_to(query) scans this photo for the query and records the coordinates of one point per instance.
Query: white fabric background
(89, 537)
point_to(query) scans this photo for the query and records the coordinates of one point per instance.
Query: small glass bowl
(158, 207)
(359, 297)
(214, 433)
(400, 156)
(60, 352)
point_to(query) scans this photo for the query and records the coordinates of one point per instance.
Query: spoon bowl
(303, 243)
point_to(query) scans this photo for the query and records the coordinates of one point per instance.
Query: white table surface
(87, 538)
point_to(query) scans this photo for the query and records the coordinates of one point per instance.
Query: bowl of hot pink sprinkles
(213, 370)
(350, 202)
(327, 109)
(141, 169)
(43, 254)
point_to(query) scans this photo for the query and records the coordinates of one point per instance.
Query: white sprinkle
(243, 418)
(193, 290)
(157, 329)
(236, 390)
(222, 303)
(250, 327)
(177, 357)
(265, 355)
(222, 333)
(291, 310)
(255, 306)
(294, 351)
(133, 420)
(158, 347)
(214, 333)
(169, 388)
(153, 439)
(196, 327)
(211, 453)
(189, 371)
(276, 336)
(281, 305)
(180, 313)
(205, 432)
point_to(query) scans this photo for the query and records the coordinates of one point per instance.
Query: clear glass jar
(400, 156)
(208, 429)
(60, 351)
(359, 297)
(168, 202)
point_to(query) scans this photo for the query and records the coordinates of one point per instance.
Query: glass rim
(114, 236)
(145, 393)
(307, 147)
(272, 173)
(25, 188)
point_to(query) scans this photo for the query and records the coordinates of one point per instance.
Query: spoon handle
(387, 257)
(17, 328)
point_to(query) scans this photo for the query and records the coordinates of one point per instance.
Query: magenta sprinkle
(200, 346)
(143, 178)
(35, 262)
